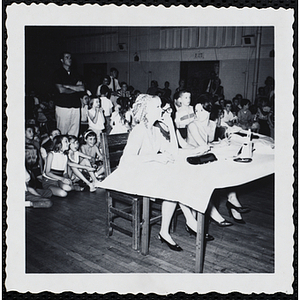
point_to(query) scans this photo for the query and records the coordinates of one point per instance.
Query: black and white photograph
(149, 149)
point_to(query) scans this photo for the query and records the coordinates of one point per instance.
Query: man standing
(69, 88)
(114, 85)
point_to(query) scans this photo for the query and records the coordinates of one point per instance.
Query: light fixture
(248, 40)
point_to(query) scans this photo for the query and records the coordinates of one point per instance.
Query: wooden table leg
(145, 226)
(136, 225)
(200, 243)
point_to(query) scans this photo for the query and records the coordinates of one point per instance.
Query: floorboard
(70, 237)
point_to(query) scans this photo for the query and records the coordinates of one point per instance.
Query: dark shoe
(240, 221)
(241, 210)
(224, 223)
(208, 237)
(172, 247)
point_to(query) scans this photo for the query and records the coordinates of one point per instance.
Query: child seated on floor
(81, 159)
(36, 198)
(55, 176)
(33, 158)
(91, 149)
(47, 144)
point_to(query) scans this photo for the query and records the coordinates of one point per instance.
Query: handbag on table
(201, 159)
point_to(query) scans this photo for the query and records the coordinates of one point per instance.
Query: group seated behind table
(153, 180)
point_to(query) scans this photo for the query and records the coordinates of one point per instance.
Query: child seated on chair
(91, 149)
(83, 160)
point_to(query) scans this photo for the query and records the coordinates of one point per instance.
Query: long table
(192, 185)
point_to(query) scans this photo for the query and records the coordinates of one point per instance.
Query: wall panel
(160, 51)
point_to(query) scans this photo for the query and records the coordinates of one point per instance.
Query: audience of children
(55, 176)
(46, 148)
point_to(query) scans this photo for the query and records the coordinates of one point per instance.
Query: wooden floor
(70, 237)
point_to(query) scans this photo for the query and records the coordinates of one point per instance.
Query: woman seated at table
(200, 132)
(153, 141)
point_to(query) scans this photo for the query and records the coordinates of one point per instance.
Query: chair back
(112, 147)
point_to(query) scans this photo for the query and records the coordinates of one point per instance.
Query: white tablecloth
(193, 185)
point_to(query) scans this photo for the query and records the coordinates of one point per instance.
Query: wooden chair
(122, 205)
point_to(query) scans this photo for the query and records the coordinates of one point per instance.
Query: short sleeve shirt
(107, 106)
(61, 76)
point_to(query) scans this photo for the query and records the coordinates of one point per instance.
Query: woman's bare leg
(232, 198)
(214, 214)
(189, 217)
(167, 211)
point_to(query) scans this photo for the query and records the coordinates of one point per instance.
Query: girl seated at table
(150, 142)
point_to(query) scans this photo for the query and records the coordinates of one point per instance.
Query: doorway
(93, 75)
(196, 75)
